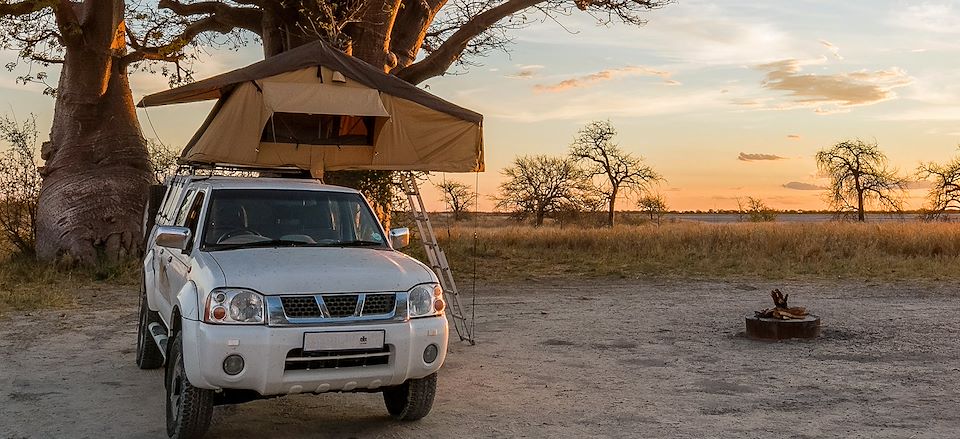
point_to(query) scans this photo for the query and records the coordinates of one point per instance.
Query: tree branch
(443, 57)
(23, 8)
(46, 60)
(222, 19)
(221, 15)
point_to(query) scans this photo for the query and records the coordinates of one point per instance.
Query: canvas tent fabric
(317, 109)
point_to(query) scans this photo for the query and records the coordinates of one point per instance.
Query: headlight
(425, 300)
(234, 305)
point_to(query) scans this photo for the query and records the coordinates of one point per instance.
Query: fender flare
(189, 326)
(188, 301)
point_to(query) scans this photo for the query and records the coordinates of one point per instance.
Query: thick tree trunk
(612, 207)
(97, 171)
(861, 214)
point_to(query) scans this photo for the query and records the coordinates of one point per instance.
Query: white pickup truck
(260, 287)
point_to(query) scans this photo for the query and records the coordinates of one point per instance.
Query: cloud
(603, 75)
(935, 17)
(672, 82)
(796, 185)
(745, 157)
(833, 49)
(600, 103)
(832, 93)
(793, 136)
(525, 72)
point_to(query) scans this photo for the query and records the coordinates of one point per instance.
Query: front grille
(297, 359)
(341, 305)
(379, 304)
(300, 307)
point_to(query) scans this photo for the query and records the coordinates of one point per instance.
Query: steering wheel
(238, 232)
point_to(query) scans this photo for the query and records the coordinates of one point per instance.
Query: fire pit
(782, 322)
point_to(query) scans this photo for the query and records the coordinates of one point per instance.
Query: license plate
(335, 341)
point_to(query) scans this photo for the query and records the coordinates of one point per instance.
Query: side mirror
(173, 237)
(399, 238)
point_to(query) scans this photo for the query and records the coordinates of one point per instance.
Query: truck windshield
(239, 218)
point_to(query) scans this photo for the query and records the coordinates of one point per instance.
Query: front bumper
(265, 349)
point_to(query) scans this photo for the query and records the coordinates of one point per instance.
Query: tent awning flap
(322, 99)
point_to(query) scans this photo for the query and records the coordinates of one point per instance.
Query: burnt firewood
(779, 299)
(781, 310)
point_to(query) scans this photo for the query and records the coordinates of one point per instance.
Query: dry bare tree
(944, 193)
(755, 211)
(457, 196)
(654, 205)
(860, 175)
(163, 160)
(617, 169)
(542, 185)
(19, 183)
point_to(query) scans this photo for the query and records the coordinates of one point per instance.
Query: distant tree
(19, 183)
(618, 169)
(860, 175)
(755, 211)
(654, 205)
(457, 196)
(944, 195)
(541, 185)
(163, 160)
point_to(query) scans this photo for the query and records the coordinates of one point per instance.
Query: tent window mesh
(318, 129)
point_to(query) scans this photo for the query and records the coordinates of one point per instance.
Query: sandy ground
(614, 358)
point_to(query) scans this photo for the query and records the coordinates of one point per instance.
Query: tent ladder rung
(437, 259)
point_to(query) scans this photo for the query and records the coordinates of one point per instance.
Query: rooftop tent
(318, 109)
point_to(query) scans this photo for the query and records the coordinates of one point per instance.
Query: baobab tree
(860, 175)
(97, 168)
(617, 169)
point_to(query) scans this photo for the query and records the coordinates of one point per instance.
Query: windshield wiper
(267, 243)
(355, 243)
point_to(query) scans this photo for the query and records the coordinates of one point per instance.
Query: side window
(192, 220)
(183, 210)
(189, 214)
(167, 211)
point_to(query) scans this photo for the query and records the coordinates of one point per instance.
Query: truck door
(175, 264)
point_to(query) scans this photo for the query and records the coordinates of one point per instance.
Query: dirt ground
(617, 358)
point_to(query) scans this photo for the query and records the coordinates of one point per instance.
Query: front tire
(411, 400)
(148, 353)
(189, 409)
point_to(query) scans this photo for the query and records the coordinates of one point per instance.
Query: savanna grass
(28, 285)
(768, 250)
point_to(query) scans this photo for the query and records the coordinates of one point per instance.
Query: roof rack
(218, 169)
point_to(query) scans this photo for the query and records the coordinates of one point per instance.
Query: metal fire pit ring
(759, 328)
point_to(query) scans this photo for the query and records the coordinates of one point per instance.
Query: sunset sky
(725, 99)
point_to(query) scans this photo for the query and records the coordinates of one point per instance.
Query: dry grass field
(27, 285)
(881, 251)
(504, 251)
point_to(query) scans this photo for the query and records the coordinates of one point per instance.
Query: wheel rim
(176, 388)
(142, 330)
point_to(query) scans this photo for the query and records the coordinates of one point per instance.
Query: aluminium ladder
(436, 257)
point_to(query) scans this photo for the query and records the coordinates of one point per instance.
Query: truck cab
(263, 287)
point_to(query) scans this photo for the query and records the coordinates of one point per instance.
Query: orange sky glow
(725, 100)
